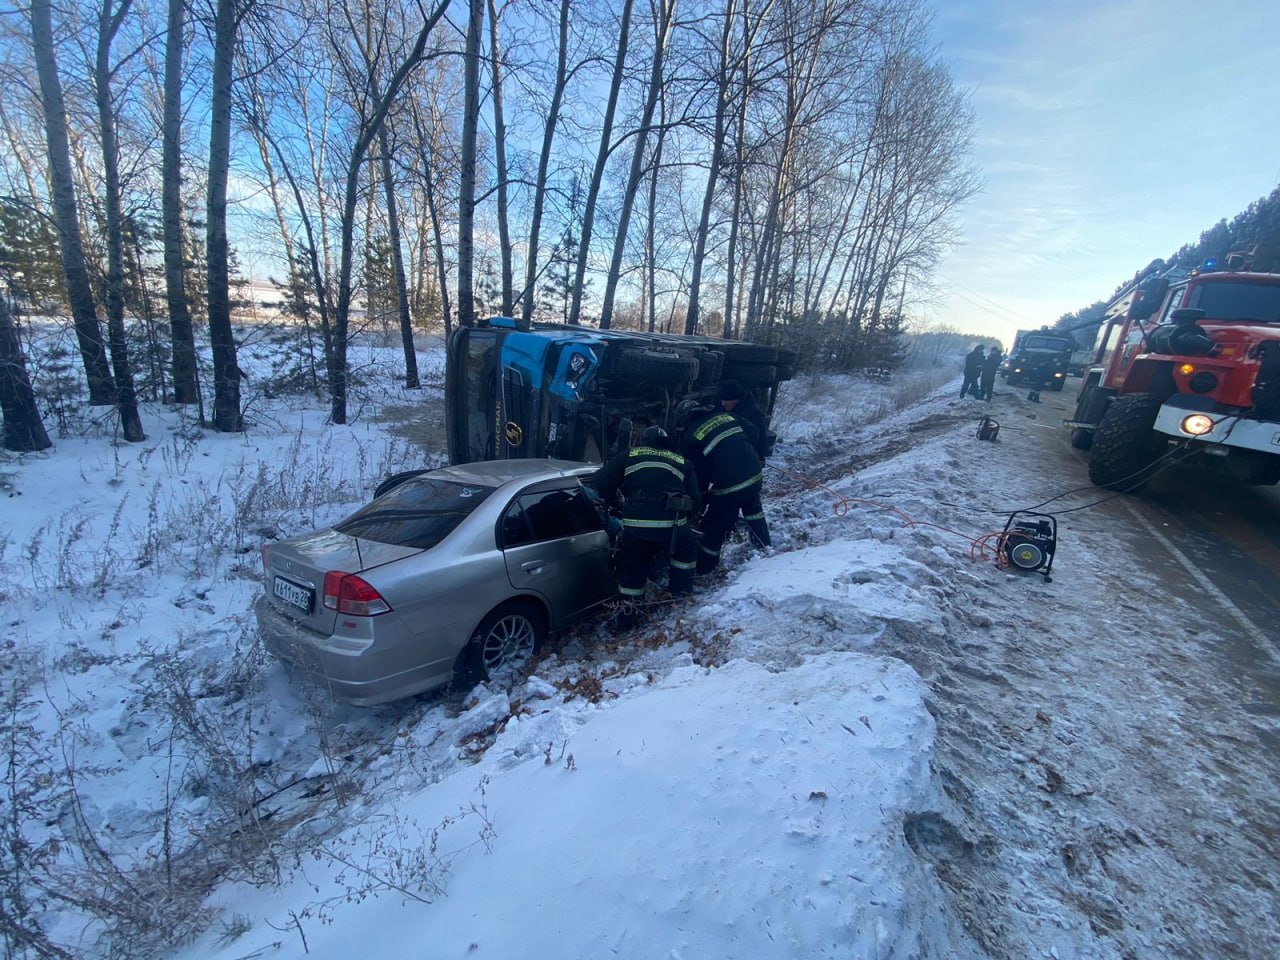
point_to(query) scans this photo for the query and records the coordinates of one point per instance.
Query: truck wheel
(710, 364)
(737, 351)
(1125, 445)
(787, 363)
(752, 374)
(657, 366)
(1057, 386)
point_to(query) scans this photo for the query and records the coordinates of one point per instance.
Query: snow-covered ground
(873, 743)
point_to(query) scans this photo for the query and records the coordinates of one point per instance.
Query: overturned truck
(1187, 369)
(515, 390)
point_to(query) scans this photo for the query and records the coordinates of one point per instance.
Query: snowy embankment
(739, 778)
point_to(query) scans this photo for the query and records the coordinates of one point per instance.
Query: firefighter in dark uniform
(729, 470)
(741, 404)
(660, 499)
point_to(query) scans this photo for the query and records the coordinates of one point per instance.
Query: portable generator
(1029, 542)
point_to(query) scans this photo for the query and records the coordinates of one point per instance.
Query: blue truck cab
(517, 390)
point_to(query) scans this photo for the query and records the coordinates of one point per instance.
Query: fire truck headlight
(1196, 425)
(1203, 382)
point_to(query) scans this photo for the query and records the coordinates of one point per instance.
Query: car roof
(496, 473)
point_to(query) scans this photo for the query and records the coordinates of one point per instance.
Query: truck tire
(786, 364)
(737, 351)
(1125, 447)
(710, 366)
(752, 374)
(1057, 385)
(657, 366)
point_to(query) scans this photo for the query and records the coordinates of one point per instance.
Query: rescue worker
(742, 405)
(660, 499)
(990, 364)
(729, 471)
(972, 371)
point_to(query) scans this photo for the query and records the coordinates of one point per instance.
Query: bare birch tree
(110, 18)
(663, 22)
(24, 431)
(467, 179)
(531, 272)
(602, 158)
(84, 310)
(185, 385)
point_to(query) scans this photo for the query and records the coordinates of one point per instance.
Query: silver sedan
(456, 572)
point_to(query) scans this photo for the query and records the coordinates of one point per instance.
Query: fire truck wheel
(1125, 447)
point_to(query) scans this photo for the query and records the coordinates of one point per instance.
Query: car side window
(550, 515)
(515, 526)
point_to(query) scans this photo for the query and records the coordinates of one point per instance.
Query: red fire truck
(1187, 369)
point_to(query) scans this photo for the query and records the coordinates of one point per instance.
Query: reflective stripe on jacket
(722, 453)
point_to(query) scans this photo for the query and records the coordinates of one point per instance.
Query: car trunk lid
(295, 571)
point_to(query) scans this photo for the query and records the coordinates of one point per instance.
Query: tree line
(775, 170)
(1255, 231)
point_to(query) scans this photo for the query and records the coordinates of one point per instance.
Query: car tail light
(349, 594)
(266, 570)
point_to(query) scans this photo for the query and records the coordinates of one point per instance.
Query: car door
(554, 544)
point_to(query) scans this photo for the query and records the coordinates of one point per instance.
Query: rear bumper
(363, 678)
(1228, 431)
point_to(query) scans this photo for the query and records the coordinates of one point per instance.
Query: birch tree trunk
(597, 174)
(126, 395)
(185, 383)
(226, 371)
(411, 380)
(662, 30)
(713, 170)
(24, 431)
(467, 181)
(84, 311)
(544, 161)
(370, 124)
(500, 161)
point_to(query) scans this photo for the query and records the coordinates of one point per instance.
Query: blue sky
(1108, 134)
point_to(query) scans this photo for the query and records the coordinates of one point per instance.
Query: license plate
(292, 593)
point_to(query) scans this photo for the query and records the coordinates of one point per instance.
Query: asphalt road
(1217, 536)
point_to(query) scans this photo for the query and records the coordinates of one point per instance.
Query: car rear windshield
(419, 513)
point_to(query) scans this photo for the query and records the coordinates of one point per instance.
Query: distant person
(987, 384)
(972, 371)
(660, 500)
(729, 472)
(735, 400)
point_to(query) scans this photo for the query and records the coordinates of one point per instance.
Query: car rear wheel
(508, 638)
